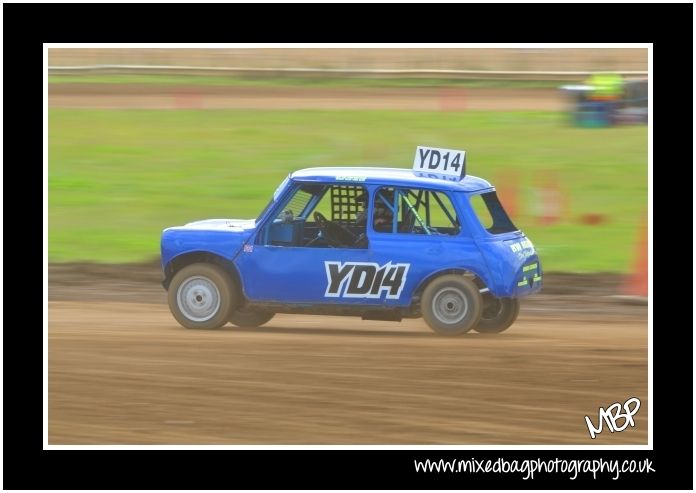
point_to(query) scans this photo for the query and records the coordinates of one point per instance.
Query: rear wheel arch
(471, 274)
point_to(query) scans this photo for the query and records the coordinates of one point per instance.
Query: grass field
(116, 178)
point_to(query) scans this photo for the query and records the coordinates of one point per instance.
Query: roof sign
(441, 163)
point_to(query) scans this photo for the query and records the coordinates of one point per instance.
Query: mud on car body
(377, 243)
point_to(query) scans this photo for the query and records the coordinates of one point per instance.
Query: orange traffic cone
(551, 203)
(636, 283)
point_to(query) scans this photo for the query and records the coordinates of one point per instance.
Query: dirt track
(122, 372)
(150, 96)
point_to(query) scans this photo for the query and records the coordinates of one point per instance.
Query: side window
(442, 214)
(320, 216)
(343, 204)
(384, 209)
(339, 219)
(481, 211)
(287, 227)
(417, 211)
(296, 206)
(491, 214)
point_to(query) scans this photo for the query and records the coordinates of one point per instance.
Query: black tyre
(451, 305)
(202, 296)
(498, 314)
(246, 317)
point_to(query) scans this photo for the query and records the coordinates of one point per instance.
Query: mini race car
(378, 243)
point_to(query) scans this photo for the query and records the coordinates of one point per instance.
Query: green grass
(117, 178)
(293, 81)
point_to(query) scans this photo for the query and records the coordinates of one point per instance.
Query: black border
(27, 26)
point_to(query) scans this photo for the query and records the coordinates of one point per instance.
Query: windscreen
(276, 194)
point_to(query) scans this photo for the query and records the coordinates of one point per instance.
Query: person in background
(608, 89)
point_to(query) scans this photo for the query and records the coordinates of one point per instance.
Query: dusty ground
(150, 96)
(122, 371)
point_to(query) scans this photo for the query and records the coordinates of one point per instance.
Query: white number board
(447, 162)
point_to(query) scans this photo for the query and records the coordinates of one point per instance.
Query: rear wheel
(247, 317)
(202, 296)
(498, 314)
(451, 305)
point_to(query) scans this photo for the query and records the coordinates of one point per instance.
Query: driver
(382, 218)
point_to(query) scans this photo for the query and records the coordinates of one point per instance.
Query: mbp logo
(364, 279)
(612, 416)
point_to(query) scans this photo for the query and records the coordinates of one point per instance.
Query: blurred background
(143, 139)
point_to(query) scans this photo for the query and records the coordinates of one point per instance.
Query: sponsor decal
(521, 245)
(364, 279)
(523, 249)
(351, 178)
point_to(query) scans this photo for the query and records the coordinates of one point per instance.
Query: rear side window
(414, 211)
(491, 214)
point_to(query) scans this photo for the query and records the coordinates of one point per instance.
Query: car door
(285, 274)
(277, 265)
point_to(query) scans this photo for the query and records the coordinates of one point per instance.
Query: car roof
(388, 176)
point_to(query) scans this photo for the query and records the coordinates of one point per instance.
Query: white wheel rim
(450, 306)
(198, 298)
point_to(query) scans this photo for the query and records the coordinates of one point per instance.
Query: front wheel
(247, 317)
(498, 314)
(451, 305)
(202, 296)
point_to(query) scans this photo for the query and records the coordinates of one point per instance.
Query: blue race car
(378, 243)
